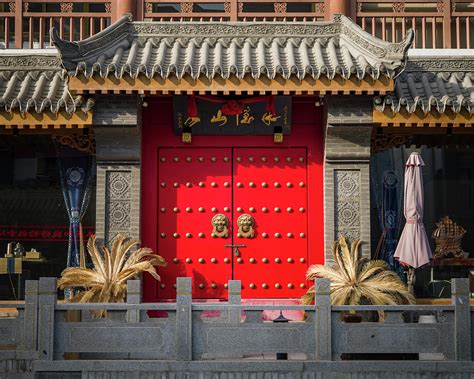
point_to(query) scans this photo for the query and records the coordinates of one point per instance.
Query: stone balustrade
(48, 336)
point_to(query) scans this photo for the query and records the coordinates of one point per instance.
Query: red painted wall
(307, 131)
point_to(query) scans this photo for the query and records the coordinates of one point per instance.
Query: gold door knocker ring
(220, 225)
(246, 225)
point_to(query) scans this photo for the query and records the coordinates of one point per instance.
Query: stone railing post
(31, 315)
(47, 302)
(462, 319)
(235, 291)
(322, 289)
(184, 322)
(134, 295)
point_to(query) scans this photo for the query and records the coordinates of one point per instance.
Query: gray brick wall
(116, 110)
(346, 171)
(118, 146)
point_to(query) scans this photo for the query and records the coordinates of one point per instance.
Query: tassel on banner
(82, 256)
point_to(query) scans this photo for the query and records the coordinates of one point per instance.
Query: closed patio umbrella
(413, 248)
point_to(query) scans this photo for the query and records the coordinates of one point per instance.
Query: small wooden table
(26, 261)
(466, 262)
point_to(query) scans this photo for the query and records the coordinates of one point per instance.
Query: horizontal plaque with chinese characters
(212, 115)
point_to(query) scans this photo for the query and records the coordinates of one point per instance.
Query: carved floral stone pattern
(227, 7)
(347, 184)
(119, 185)
(37, 62)
(119, 216)
(350, 234)
(441, 64)
(187, 7)
(117, 203)
(108, 7)
(12, 6)
(398, 7)
(240, 6)
(26, 7)
(279, 7)
(347, 204)
(66, 7)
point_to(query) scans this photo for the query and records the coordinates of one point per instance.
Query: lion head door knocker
(220, 224)
(246, 225)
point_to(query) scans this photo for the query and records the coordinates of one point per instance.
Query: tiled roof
(433, 83)
(166, 49)
(35, 81)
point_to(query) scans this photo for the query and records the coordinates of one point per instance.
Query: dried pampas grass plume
(106, 282)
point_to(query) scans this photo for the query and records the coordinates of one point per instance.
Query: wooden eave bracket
(46, 120)
(247, 85)
(388, 118)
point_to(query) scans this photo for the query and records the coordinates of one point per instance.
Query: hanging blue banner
(390, 213)
(76, 172)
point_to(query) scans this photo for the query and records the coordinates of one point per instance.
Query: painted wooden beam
(387, 118)
(247, 85)
(45, 120)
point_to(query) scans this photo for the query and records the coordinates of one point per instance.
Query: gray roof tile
(35, 81)
(435, 83)
(225, 49)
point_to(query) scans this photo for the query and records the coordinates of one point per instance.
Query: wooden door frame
(157, 132)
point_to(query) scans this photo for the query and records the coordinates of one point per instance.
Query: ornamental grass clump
(106, 282)
(356, 280)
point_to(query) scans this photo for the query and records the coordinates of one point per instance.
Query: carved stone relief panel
(347, 199)
(117, 203)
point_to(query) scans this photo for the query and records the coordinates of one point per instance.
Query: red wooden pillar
(18, 25)
(333, 7)
(121, 7)
(447, 7)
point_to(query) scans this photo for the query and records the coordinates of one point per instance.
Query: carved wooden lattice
(398, 7)
(187, 7)
(80, 142)
(67, 7)
(280, 7)
(387, 141)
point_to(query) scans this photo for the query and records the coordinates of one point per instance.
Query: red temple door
(233, 213)
(270, 186)
(195, 185)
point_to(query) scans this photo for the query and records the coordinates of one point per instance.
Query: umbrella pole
(411, 280)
